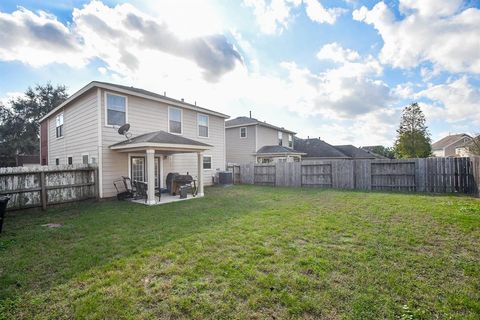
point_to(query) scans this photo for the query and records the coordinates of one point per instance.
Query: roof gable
(247, 121)
(448, 140)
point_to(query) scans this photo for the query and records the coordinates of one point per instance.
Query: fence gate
(316, 175)
(235, 169)
(449, 175)
(391, 175)
(264, 175)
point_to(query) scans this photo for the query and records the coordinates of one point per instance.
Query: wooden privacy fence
(30, 187)
(440, 175)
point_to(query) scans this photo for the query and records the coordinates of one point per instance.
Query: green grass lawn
(247, 252)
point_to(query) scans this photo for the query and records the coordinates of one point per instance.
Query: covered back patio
(146, 154)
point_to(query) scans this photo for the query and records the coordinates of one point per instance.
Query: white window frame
(181, 120)
(57, 161)
(198, 125)
(88, 158)
(106, 107)
(69, 157)
(211, 161)
(246, 133)
(290, 140)
(280, 138)
(63, 125)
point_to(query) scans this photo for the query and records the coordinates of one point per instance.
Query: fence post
(43, 192)
(97, 185)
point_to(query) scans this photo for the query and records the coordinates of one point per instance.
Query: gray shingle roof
(448, 140)
(354, 152)
(316, 148)
(161, 137)
(155, 95)
(239, 121)
(276, 149)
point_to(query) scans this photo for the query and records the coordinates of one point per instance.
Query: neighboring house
(167, 135)
(250, 140)
(317, 149)
(465, 149)
(446, 147)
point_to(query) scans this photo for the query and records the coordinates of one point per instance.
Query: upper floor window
(202, 121)
(59, 125)
(280, 138)
(174, 120)
(116, 109)
(85, 158)
(70, 160)
(290, 141)
(243, 132)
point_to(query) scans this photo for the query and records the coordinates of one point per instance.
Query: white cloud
(436, 31)
(38, 39)
(318, 13)
(453, 102)
(333, 51)
(272, 17)
(118, 36)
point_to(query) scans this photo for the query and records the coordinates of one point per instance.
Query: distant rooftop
(317, 148)
(247, 121)
(448, 140)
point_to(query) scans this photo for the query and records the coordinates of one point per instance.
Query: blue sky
(339, 70)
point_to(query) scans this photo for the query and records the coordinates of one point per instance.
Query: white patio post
(161, 171)
(200, 173)
(151, 176)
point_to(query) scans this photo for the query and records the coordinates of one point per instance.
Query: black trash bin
(3, 208)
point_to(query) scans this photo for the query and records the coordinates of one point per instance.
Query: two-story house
(166, 135)
(250, 140)
(447, 146)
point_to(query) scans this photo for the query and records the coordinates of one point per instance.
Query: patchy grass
(247, 252)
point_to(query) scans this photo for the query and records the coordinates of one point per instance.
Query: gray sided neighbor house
(250, 140)
(448, 146)
(167, 135)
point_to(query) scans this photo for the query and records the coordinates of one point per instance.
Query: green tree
(19, 127)
(474, 145)
(387, 152)
(413, 138)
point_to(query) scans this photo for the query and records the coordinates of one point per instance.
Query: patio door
(139, 169)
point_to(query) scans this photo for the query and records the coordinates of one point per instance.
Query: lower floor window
(207, 162)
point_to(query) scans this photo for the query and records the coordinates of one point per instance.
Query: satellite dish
(124, 131)
(124, 128)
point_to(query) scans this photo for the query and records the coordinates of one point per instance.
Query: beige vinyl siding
(79, 131)
(267, 137)
(240, 150)
(146, 116)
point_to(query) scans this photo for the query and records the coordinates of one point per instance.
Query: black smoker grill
(176, 180)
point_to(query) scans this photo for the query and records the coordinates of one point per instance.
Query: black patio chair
(141, 190)
(122, 193)
(129, 186)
